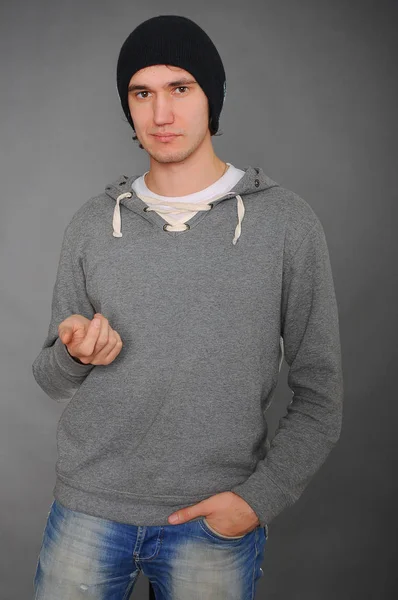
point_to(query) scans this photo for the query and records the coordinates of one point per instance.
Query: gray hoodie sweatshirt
(179, 415)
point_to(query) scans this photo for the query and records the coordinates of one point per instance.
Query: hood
(254, 181)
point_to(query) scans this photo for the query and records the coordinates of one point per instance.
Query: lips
(165, 138)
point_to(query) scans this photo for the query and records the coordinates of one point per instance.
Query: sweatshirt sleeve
(312, 424)
(57, 373)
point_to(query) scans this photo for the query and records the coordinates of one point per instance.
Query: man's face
(158, 107)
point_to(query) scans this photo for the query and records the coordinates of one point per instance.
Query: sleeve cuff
(66, 362)
(263, 496)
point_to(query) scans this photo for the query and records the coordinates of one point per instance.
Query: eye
(181, 87)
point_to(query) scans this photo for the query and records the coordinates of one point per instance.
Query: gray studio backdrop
(311, 98)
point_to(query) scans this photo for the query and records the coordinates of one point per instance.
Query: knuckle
(102, 340)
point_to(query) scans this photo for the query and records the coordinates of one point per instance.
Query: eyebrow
(169, 84)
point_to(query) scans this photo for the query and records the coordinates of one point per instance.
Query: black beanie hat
(177, 41)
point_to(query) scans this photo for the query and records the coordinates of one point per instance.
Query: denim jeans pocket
(205, 525)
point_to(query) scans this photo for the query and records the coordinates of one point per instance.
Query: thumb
(186, 514)
(65, 335)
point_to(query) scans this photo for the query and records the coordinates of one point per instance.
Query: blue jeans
(84, 557)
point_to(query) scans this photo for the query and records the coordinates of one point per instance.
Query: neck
(183, 178)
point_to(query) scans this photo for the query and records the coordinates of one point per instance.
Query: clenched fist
(90, 342)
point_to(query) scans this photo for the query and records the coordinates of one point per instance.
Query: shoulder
(298, 217)
(88, 219)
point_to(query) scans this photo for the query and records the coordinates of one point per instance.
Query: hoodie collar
(253, 181)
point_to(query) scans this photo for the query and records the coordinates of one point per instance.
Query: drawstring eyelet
(165, 226)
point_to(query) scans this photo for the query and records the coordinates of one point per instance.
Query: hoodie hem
(111, 505)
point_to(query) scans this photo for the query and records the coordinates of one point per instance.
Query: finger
(65, 334)
(103, 337)
(87, 345)
(112, 355)
(190, 512)
(111, 350)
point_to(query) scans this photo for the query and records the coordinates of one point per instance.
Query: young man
(196, 272)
